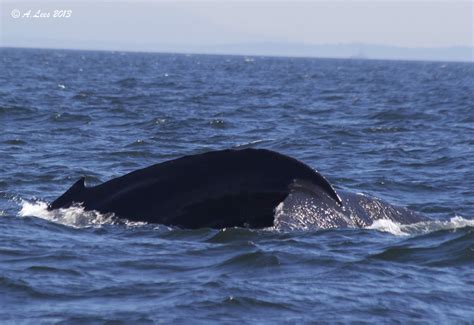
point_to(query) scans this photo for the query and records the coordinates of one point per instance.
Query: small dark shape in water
(230, 188)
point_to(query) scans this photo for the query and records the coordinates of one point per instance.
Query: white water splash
(73, 216)
(435, 225)
(420, 227)
(386, 225)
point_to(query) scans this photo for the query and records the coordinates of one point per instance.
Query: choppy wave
(96, 259)
(452, 244)
(401, 131)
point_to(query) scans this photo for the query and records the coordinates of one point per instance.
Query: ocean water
(400, 131)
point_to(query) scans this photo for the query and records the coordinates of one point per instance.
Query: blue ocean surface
(400, 131)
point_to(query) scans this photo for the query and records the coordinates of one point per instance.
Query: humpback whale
(254, 188)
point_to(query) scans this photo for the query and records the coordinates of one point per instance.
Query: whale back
(215, 189)
(252, 167)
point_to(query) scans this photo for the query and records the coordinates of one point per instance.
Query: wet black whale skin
(217, 189)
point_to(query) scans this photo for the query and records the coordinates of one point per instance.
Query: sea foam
(420, 227)
(74, 216)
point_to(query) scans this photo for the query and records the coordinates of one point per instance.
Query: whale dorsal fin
(79, 185)
(72, 195)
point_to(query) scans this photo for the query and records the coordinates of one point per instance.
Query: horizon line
(273, 55)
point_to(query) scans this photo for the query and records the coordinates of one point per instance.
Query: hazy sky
(155, 25)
